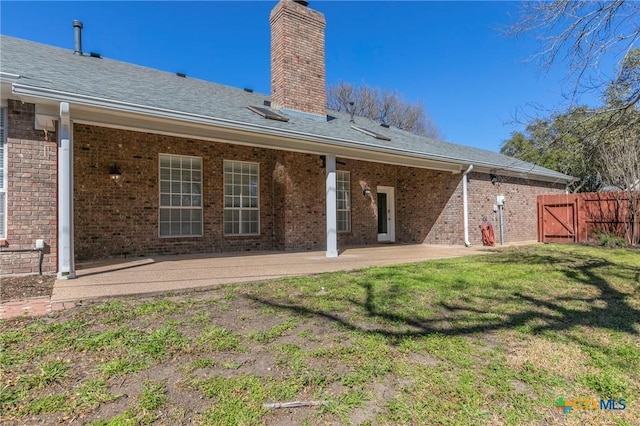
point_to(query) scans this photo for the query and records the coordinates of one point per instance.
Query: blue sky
(451, 56)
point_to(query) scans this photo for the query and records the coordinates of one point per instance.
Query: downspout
(465, 206)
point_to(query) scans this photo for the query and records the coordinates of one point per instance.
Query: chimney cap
(77, 23)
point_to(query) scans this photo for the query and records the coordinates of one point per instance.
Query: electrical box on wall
(500, 200)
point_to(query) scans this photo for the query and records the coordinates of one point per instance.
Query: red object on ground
(488, 236)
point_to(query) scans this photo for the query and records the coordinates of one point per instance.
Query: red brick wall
(122, 219)
(298, 79)
(520, 212)
(31, 192)
(429, 205)
(118, 220)
(303, 212)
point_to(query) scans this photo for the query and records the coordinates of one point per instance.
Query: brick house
(104, 159)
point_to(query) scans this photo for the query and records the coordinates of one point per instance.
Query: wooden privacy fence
(573, 218)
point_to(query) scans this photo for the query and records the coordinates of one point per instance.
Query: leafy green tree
(561, 142)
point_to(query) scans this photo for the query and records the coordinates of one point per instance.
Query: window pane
(241, 198)
(254, 228)
(196, 228)
(177, 192)
(343, 201)
(165, 229)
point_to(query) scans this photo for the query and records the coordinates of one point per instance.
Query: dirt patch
(25, 287)
(560, 359)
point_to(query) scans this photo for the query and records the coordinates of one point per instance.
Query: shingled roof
(60, 74)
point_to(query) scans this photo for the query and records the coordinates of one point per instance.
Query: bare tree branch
(580, 33)
(383, 106)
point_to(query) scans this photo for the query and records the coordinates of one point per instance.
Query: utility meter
(500, 200)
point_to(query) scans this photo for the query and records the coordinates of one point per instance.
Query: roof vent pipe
(77, 29)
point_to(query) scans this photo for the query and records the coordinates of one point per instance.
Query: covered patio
(156, 275)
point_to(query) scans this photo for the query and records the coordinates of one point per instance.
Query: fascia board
(106, 104)
(523, 175)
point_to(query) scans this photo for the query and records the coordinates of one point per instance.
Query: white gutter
(57, 95)
(465, 206)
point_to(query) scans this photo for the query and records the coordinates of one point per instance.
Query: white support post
(66, 266)
(332, 222)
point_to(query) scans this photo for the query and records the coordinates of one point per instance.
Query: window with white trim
(343, 201)
(180, 196)
(3, 174)
(241, 198)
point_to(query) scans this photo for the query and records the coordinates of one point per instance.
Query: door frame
(390, 236)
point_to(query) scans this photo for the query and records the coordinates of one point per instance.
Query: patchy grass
(492, 339)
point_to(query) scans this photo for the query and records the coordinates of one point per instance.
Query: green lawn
(487, 339)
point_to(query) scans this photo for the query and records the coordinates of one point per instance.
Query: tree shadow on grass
(610, 309)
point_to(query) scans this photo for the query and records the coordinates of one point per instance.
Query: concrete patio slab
(153, 275)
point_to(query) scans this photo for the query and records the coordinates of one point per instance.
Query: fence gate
(558, 219)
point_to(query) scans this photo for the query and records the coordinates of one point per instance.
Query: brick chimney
(298, 82)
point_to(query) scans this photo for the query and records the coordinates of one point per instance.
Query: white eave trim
(7, 77)
(448, 163)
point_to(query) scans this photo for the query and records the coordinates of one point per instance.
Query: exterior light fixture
(366, 192)
(494, 179)
(114, 173)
